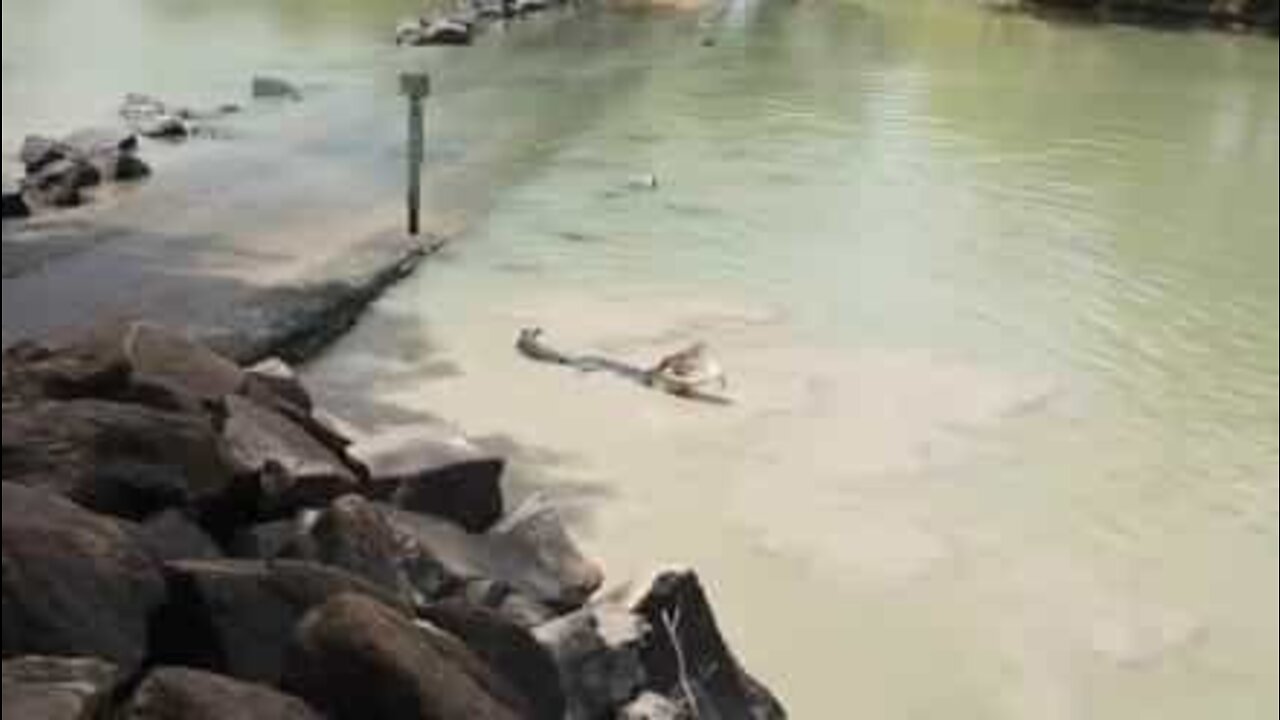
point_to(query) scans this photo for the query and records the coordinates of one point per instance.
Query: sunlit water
(998, 300)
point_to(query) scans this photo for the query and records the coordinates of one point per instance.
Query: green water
(999, 301)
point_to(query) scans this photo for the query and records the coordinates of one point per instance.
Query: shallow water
(998, 300)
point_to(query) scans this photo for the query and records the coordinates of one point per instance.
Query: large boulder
(598, 652)
(38, 151)
(172, 535)
(297, 470)
(115, 458)
(442, 556)
(274, 383)
(87, 143)
(120, 167)
(354, 535)
(34, 372)
(685, 654)
(127, 361)
(356, 659)
(75, 583)
(60, 183)
(505, 600)
(162, 359)
(289, 538)
(510, 650)
(57, 170)
(237, 617)
(57, 688)
(15, 206)
(173, 693)
(443, 476)
(537, 527)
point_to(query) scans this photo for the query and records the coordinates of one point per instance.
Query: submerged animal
(531, 345)
(688, 372)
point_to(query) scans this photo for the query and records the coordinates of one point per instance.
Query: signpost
(416, 87)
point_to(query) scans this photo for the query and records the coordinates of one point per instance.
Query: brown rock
(446, 556)
(444, 477)
(172, 693)
(75, 583)
(508, 649)
(236, 617)
(115, 458)
(355, 659)
(354, 535)
(298, 470)
(597, 650)
(57, 688)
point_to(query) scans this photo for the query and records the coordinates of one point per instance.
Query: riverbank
(996, 297)
(181, 535)
(1232, 15)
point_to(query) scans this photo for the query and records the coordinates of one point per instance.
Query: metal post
(415, 86)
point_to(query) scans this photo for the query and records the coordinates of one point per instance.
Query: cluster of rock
(153, 118)
(58, 171)
(183, 537)
(460, 28)
(1231, 14)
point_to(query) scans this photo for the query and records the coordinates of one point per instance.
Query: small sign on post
(416, 87)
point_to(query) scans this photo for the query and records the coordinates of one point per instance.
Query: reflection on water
(999, 300)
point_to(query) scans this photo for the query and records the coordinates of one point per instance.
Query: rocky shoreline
(187, 537)
(1236, 15)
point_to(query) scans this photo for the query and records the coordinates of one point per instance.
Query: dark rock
(536, 525)
(39, 151)
(274, 384)
(161, 358)
(510, 650)
(15, 206)
(355, 659)
(506, 601)
(119, 459)
(59, 183)
(75, 583)
(120, 167)
(237, 616)
(172, 693)
(271, 88)
(171, 535)
(651, 706)
(447, 31)
(58, 170)
(84, 144)
(676, 607)
(441, 556)
(133, 362)
(289, 538)
(297, 470)
(57, 688)
(164, 127)
(354, 535)
(85, 369)
(448, 478)
(598, 652)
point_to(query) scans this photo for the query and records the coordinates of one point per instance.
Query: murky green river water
(999, 301)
